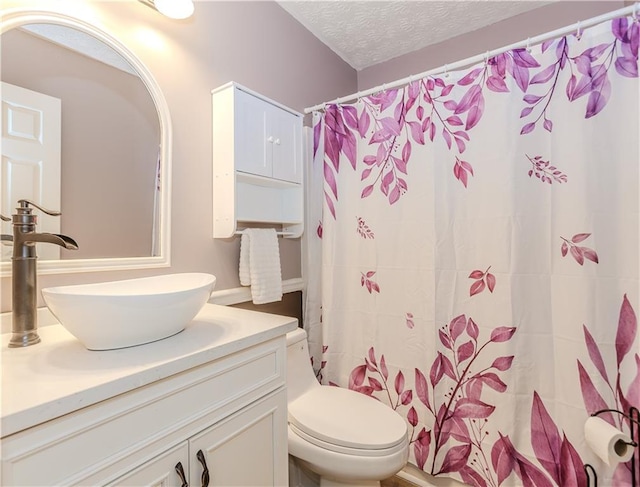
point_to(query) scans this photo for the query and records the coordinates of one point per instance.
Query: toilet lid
(347, 418)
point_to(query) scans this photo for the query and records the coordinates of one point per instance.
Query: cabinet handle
(180, 472)
(205, 471)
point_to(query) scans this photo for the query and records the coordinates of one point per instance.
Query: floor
(396, 482)
(302, 478)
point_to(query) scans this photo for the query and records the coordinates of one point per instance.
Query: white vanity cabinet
(257, 163)
(237, 451)
(212, 397)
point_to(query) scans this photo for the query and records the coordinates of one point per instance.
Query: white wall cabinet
(228, 416)
(257, 163)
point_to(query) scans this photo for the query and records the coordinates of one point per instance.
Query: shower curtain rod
(578, 26)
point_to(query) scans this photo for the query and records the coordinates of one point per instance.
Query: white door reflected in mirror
(30, 160)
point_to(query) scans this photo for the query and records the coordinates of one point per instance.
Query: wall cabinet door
(247, 449)
(251, 131)
(287, 146)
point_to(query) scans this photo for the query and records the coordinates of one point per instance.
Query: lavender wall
(257, 44)
(500, 34)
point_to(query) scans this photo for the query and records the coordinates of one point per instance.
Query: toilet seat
(346, 421)
(360, 452)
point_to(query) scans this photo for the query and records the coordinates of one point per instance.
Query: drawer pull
(183, 477)
(205, 471)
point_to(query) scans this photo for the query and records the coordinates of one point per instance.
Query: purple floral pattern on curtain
(427, 109)
(451, 406)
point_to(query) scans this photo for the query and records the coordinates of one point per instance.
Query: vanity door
(249, 448)
(166, 470)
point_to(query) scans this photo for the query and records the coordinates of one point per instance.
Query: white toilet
(345, 437)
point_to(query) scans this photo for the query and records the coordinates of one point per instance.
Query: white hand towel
(260, 264)
(245, 275)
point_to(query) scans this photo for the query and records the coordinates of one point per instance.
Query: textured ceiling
(368, 32)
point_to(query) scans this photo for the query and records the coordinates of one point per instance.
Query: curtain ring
(529, 44)
(486, 58)
(446, 71)
(579, 31)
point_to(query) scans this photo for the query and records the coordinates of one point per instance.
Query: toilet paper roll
(608, 442)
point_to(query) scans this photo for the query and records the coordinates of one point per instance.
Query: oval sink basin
(119, 314)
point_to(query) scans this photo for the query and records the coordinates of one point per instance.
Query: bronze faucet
(23, 270)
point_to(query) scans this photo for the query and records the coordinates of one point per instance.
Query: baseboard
(243, 294)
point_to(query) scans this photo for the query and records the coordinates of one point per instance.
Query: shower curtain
(480, 257)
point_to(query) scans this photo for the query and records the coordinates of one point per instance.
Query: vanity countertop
(59, 376)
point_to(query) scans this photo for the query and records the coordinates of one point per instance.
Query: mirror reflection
(81, 135)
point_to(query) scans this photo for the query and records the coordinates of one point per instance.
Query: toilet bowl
(345, 437)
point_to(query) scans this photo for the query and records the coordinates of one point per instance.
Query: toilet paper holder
(634, 426)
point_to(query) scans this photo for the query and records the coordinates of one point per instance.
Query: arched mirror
(85, 130)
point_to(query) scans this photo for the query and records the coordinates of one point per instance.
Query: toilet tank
(300, 375)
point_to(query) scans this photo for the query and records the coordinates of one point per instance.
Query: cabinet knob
(277, 142)
(205, 469)
(183, 477)
(270, 139)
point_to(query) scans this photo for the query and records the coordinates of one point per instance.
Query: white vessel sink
(120, 314)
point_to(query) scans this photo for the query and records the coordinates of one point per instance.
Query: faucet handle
(3, 237)
(24, 204)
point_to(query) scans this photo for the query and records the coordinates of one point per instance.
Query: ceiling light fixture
(174, 9)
